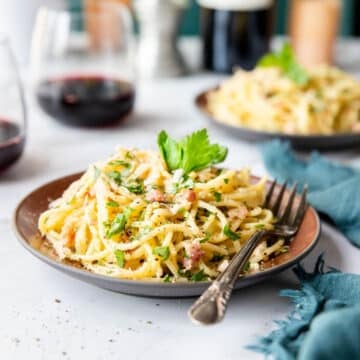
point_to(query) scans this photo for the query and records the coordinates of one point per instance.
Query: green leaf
(205, 239)
(199, 276)
(246, 267)
(230, 234)
(167, 278)
(120, 163)
(120, 257)
(259, 226)
(216, 258)
(115, 176)
(162, 251)
(118, 224)
(170, 151)
(112, 203)
(136, 187)
(192, 153)
(286, 61)
(217, 196)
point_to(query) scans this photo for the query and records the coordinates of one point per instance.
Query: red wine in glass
(12, 141)
(86, 100)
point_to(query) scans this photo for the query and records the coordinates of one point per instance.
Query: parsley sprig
(191, 153)
(285, 60)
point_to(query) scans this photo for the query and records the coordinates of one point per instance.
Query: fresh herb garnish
(226, 181)
(167, 278)
(205, 239)
(118, 224)
(162, 251)
(123, 163)
(193, 152)
(112, 203)
(217, 196)
(216, 258)
(230, 234)
(135, 187)
(246, 267)
(259, 226)
(199, 276)
(115, 176)
(286, 61)
(120, 257)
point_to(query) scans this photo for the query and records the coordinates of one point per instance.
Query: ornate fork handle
(210, 308)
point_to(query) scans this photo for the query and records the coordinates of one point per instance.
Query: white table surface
(47, 315)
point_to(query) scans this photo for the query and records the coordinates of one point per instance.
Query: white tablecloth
(46, 315)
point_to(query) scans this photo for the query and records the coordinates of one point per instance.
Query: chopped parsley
(167, 278)
(118, 224)
(230, 234)
(162, 251)
(205, 239)
(217, 196)
(192, 153)
(216, 258)
(115, 176)
(259, 226)
(123, 163)
(136, 187)
(226, 180)
(112, 203)
(120, 258)
(246, 267)
(199, 276)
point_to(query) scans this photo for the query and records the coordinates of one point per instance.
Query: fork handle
(210, 308)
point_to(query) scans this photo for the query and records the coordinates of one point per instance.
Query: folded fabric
(334, 189)
(325, 322)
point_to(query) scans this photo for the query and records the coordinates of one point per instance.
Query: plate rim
(200, 97)
(148, 283)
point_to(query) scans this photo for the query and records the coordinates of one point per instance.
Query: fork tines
(284, 209)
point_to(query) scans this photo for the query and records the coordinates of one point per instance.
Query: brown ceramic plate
(25, 226)
(300, 142)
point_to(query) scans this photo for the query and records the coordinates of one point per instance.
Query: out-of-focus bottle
(235, 32)
(313, 30)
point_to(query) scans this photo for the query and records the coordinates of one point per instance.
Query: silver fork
(211, 306)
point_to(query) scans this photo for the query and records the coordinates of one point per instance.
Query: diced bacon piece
(194, 253)
(238, 213)
(190, 195)
(156, 195)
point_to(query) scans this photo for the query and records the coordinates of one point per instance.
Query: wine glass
(12, 108)
(82, 63)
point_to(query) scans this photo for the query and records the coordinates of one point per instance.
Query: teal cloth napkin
(325, 321)
(334, 189)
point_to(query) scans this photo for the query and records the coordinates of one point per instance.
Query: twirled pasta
(129, 217)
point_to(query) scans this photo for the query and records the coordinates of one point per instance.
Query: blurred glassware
(235, 33)
(12, 108)
(82, 64)
(158, 55)
(17, 19)
(313, 29)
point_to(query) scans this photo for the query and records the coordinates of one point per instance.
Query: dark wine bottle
(235, 33)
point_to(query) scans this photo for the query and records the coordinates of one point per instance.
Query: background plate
(300, 142)
(25, 226)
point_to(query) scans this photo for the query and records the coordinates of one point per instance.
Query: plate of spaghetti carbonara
(156, 222)
(317, 107)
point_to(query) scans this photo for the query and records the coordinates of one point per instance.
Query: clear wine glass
(12, 108)
(82, 63)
